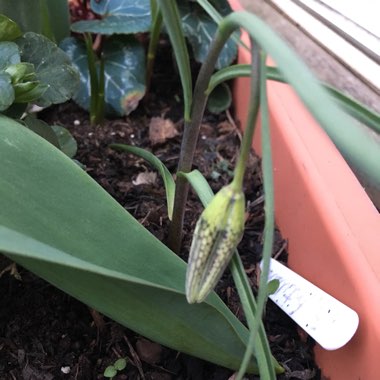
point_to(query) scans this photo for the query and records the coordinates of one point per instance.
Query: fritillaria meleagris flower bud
(217, 233)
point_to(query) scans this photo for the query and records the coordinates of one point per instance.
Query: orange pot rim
(331, 224)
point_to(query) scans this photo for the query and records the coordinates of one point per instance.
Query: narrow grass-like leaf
(352, 106)
(261, 345)
(356, 109)
(198, 183)
(159, 166)
(153, 41)
(172, 23)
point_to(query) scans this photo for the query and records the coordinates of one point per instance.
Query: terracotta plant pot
(332, 227)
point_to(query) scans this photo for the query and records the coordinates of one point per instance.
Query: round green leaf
(6, 90)
(110, 371)
(53, 68)
(42, 129)
(199, 28)
(9, 54)
(124, 73)
(119, 17)
(273, 285)
(120, 364)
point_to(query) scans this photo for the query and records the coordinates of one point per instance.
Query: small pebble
(76, 122)
(65, 370)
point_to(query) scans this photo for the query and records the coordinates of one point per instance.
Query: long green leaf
(268, 188)
(69, 231)
(159, 166)
(172, 23)
(353, 107)
(261, 345)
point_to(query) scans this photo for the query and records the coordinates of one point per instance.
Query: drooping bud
(217, 233)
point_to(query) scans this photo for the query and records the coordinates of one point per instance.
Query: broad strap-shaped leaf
(9, 30)
(199, 28)
(118, 17)
(159, 166)
(53, 68)
(73, 234)
(7, 94)
(124, 72)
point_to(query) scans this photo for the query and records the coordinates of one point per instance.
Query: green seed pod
(217, 233)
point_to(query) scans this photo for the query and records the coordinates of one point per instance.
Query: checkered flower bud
(217, 233)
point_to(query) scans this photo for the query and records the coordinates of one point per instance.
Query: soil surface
(45, 334)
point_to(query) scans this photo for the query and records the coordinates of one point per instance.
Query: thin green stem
(153, 41)
(189, 141)
(94, 83)
(241, 164)
(261, 346)
(99, 112)
(269, 224)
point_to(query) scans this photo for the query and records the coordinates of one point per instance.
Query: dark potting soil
(45, 334)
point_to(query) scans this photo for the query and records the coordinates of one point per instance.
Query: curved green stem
(241, 164)
(268, 232)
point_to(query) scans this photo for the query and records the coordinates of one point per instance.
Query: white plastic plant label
(331, 323)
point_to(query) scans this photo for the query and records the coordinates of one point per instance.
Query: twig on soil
(136, 360)
(282, 248)
(232, 122)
